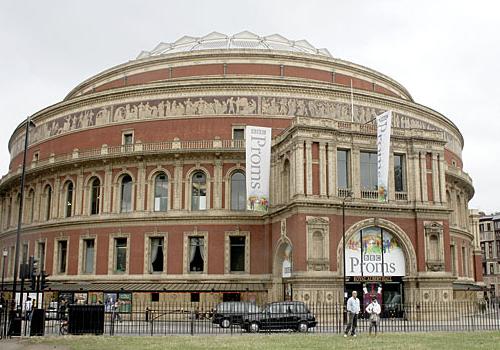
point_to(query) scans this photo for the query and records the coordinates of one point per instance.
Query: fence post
(192, 323)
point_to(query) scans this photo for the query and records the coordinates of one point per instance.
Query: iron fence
(152, 319)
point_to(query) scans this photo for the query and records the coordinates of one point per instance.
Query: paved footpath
(17, 344)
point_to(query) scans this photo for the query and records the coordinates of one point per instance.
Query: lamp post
(20, 215)
(347, 196)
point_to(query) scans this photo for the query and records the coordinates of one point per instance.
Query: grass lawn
(470, 340)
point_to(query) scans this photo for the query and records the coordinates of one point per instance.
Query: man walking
(352, 314)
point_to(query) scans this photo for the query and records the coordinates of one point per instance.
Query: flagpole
(352, 104)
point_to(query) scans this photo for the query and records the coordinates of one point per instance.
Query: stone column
(141, 186)
(423, 177)
(79, 192)
(332, 170)
(391, 183)
(105, 190)
(309, 177)
(293, 174)
(56, 199)
(299, 156)
(355, 180)
(442, 177)
(436, 179)
(178, 185)
(218, 184)
(322, 169)
(38, 201)
(416, 176)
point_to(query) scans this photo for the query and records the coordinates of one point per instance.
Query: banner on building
(368, 254)
(258, 164)
(383, 149)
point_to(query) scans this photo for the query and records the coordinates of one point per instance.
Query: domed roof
(242, 41)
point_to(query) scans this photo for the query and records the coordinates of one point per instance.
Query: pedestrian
(28, 307)
(352, 314)
(373, 309)
(116, 311)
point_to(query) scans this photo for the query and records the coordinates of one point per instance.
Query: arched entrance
(378, 258)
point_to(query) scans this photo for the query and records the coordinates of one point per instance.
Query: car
(293, 315)
(233, 312)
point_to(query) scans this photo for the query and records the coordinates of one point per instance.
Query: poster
(364, 254)
(258, 164)
(383, 149)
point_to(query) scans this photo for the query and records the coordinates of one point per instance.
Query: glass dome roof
(242, 41)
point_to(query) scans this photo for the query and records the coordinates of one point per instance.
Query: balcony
(105, 151)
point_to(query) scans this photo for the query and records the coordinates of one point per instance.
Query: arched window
(199, 191)
(48, 202)
(318, 251)
(68, 203)
(286, 182)
(238, 191)
(161, 192)
(126, 194)
(95, 196)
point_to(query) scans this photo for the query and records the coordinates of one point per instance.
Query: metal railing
(150, 319)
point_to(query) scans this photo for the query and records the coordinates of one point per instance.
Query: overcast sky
(446, 53)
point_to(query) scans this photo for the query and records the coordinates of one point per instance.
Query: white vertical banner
(383, 149)
(258, 164)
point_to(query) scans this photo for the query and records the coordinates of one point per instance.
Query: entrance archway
(379, 257)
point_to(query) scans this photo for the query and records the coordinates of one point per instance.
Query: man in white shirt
(373, 309)
(352, 314)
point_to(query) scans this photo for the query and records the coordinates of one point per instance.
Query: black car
(282, 315)
(233, 312)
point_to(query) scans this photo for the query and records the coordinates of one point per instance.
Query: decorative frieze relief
(219, 105)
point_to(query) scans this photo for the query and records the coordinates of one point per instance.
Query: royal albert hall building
(135, 182)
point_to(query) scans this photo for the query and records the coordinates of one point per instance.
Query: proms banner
(363, 255)
(258, 164)
(383, 143)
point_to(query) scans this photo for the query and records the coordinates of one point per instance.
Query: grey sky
(446, 53)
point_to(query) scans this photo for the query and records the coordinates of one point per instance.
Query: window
(196, 254)
(399, 173)
(483, 249)
(481, 227)
(128, 138)
(490, 250)
(155, 297)
(368, 171)
(69, 199)
(464, 262)
(120, 254)
(95, 196)
(126, 194)
(497, 225)
(343, 161)
(156, 251)
(238, 133)
(195, 297)
(238, 191)
(161, 192)
(498, 249)
(433, 248)
(318, 245)
(62, 253)
(492, 269)
(199, 191)
(48, 202)
(41, 256)
(88, 255)
(453, 261)
(237, 253)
